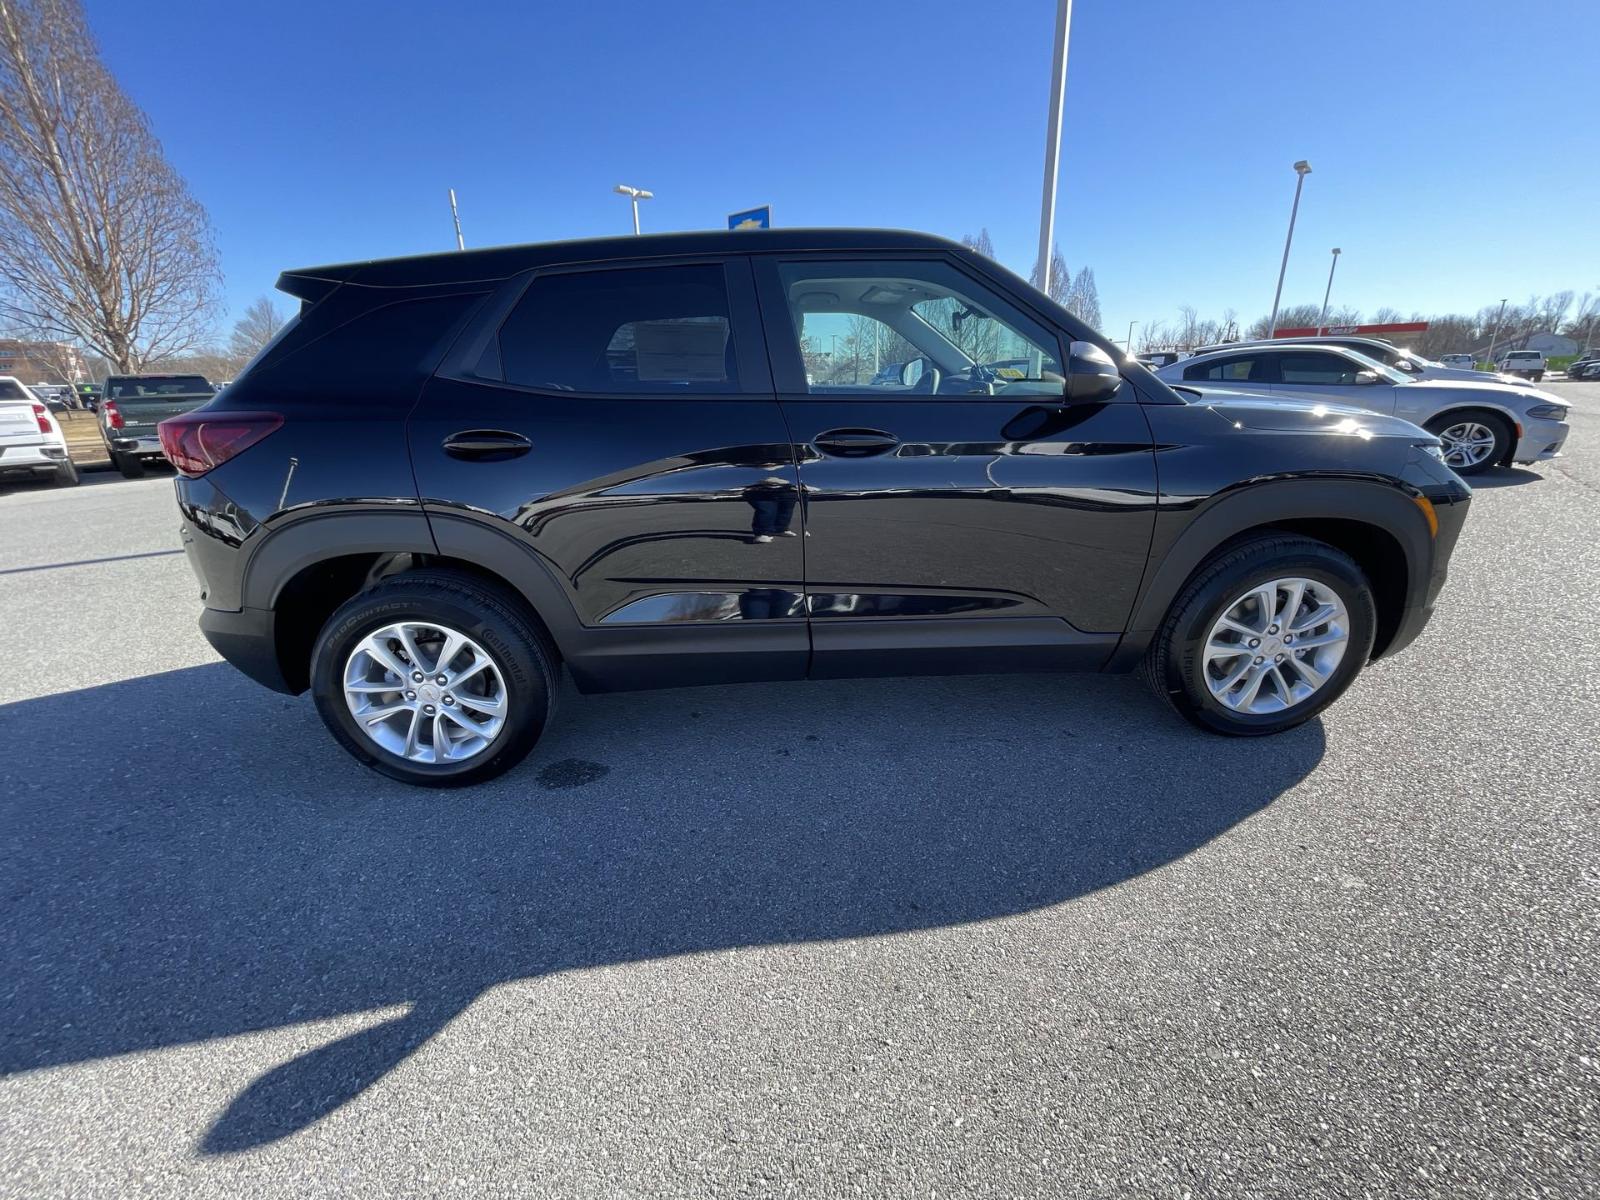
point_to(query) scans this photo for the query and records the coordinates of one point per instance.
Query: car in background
(88, 396)
(889, 373)
(1576, 367)
(56, 396)
(1529, 364)
(1461, 362)
(1480, 424)
(1412, 364)
(135, 404)
(1590, 369)
(31, 443)
(1156, 359)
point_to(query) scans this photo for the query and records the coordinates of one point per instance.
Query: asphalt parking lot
(984, 937)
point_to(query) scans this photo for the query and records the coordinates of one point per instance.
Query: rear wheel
(1264, 637)
(434, 678)
(66, 475)
(128, 464)
(1473, 441)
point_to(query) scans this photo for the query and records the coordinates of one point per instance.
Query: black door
(619, 424)
(959, 514)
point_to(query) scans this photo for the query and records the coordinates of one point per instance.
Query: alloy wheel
(425, 692)
(1276, 645)
(1466, 443)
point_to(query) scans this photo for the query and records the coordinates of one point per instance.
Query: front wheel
(1264, 637)
(434, 678)
(1472, 442)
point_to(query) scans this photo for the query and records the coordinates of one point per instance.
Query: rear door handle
(855, 443)
(486, 445)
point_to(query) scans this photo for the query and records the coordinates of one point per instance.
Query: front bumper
(1452, 515)
(1541, 440)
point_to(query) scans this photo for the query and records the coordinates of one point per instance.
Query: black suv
(714, 457)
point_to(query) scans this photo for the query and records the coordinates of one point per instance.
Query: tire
(1493, 422)
(1176, 665)
(128, 464)
(496, 620)
(66, 475)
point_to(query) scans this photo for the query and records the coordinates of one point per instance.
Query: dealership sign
(1365, 330)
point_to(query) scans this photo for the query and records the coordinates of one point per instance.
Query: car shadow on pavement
(219, 867)
(1504, 477)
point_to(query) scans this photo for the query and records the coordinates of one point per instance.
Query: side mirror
(1367, 378)
(1092, 376)
(910, 372)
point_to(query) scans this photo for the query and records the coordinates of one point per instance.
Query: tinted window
(648, 329)
(375, 355)
(11, 390)
(1381, 353)
(1312, 367)
(1235, 370)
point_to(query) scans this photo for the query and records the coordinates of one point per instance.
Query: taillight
(41, 414)
(200, 441)
(113, 414)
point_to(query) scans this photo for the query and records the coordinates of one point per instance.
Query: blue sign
(753, 218)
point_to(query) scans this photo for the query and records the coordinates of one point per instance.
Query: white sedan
(1481, 425)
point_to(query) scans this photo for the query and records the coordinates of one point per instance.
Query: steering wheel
(928, 382)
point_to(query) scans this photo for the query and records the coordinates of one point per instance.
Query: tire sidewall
(527, 679)
(1186, 661)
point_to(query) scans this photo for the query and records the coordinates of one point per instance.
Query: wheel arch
(1377, 524)
(302, 572)
(1457, 411)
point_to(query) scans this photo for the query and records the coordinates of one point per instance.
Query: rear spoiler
(310, 284)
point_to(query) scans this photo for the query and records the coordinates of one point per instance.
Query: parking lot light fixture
(1301, 170)
(634, 195)
(1322, 321)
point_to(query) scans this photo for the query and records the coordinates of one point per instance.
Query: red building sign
(1382, 331)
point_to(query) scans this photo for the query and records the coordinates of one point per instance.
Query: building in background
(42, 362)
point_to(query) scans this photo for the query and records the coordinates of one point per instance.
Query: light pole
(456, 217)
(1131, 324)
(635, 195)
(1052, 140)
(1322, 321)
(1496, 334)
(1301, 170)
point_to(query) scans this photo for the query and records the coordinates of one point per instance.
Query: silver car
(1409, 362)
(1481, 424)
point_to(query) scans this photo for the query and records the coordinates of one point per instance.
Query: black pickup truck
(133, 405)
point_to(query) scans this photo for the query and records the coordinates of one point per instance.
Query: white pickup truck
(1529, 364)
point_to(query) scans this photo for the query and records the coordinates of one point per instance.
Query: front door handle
(855, 443)
(486, 445)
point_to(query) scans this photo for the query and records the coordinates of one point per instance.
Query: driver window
(916, 327)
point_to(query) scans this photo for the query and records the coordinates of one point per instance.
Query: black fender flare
(292, 546)
(1386, 506)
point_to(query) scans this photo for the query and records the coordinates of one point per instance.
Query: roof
(498, 262)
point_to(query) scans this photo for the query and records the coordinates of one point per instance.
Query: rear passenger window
(1235, 369)
(1317, 368)
(647, 329)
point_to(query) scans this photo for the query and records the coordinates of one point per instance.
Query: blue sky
(1439, 133)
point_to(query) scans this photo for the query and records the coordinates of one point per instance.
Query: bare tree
(1084, 300)
(258, 326)
(100, 240)
(982, 243)
(1060, 288)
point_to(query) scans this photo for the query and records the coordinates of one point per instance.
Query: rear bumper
(35, 457)
(248, 640)
(142, 444)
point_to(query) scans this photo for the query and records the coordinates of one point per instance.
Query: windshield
(1384, 371)
(1419, 359)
